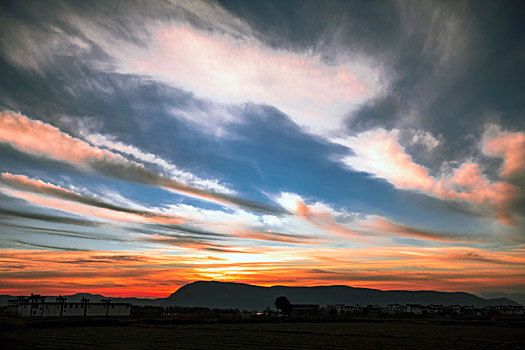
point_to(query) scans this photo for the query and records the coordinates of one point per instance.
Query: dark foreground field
(335, 335)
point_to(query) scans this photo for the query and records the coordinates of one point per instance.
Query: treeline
(176, 310)
(185, 312)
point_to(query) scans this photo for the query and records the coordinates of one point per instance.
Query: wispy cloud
(138, 142)
(241, 70)
(379, 153)
(510, 146)
(365, 228)
(202, 41)
(385, 267)
(321, 216)
(26, 184)
(493, 259)
(45, 246)
(49, 218)
(36, 137)
(182, 176)
(274, 236)
(380, 225)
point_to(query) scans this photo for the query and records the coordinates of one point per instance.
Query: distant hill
(94, 298)
(245, 296)
(519, 297)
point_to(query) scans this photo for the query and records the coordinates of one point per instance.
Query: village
(36, 306)
(429, 310)
(76, 322)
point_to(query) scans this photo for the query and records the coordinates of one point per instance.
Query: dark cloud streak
(49, 246)
(49, 218)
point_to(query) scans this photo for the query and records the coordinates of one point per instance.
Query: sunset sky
(148, 144)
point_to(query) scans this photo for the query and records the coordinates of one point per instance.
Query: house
(37, 306)
(433, 309)
(415, 309)
(455, 309)
(339, 308)
(357, 309)
(373, 310)
(394, 309)
(509, 310)
(305, 309)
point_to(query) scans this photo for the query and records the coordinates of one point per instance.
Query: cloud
(444, 30)
(183, 176)
(477, 257)
(391, 267)
(510, 146)
(67, 58)
(425, 138)
(187, 231)
(32, 46)
(366, 228)
(38, 138)
(314, 94)
(380, 225)
(478, 190)
(321, 216)
(379, 153)
(153, 223)
(45, 246)
(189, 243)
(158, 232)
(185, 44)
(61, 233)
(210, 117)
(107, 259)
(84, 209)
(160, 228)
(50, 218)
(274, 236)
(26, 184)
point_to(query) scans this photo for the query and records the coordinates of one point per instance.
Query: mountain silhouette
(245, 296)
(95, 298)
(214, 294)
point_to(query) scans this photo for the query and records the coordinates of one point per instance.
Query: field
(280, 335)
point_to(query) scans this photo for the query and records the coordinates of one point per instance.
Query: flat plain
(390, 334)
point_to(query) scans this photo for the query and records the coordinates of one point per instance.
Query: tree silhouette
(282, 303)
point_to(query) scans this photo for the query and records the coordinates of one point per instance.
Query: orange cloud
(510, 147)
(326, 221)
(479, 190)
(382, 226)
(159, 272)
(100, 208)
(238, 69)
(378, 152)
(318, 215)
(274, 236)
(468, 175)
(71, 207)
(34, 136)
(42, 139)
(367, 229)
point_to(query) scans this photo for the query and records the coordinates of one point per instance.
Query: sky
(146, 145)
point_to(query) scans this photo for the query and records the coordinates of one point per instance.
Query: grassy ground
(336, 335)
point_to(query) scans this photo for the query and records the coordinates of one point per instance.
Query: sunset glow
(146, 147)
